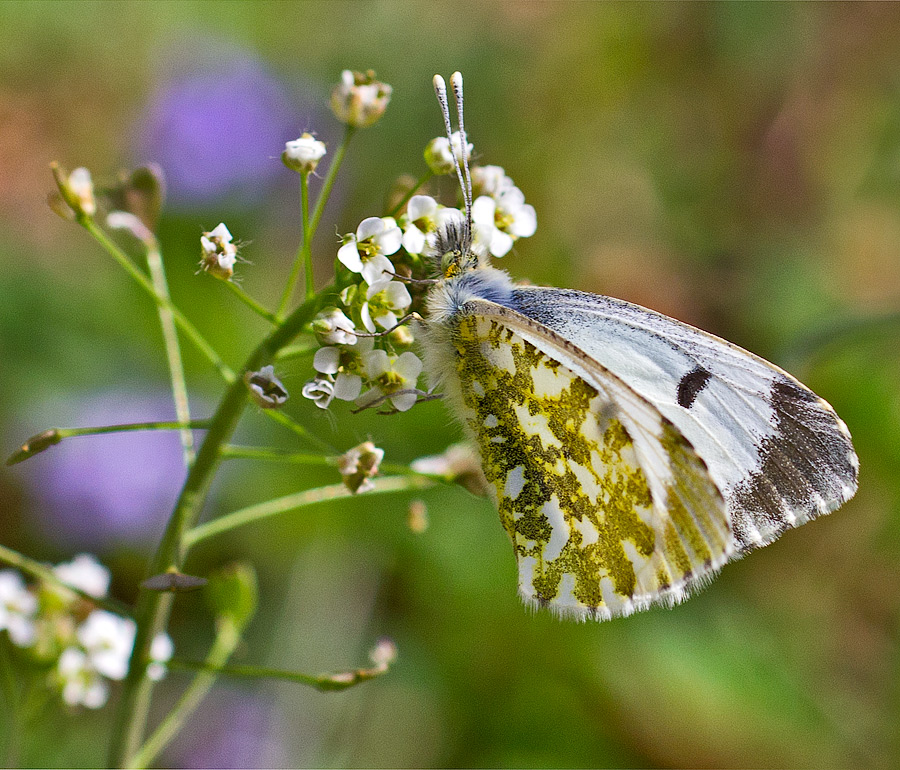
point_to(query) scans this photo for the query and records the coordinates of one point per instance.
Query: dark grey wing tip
(808, 468)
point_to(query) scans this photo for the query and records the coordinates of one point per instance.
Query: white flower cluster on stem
(88, 647)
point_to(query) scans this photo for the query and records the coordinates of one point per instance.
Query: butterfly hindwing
(608, 506)
(778, 452)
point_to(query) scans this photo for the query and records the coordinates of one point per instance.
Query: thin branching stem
(153, 608)
(186, 326)
(409, 194)
(322, 682)
(227, 638)
(255, 306)
(256, 513)
(173, 351)
(291, 424)
(42, 572)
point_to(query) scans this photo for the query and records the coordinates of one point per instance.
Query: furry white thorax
(445, 301)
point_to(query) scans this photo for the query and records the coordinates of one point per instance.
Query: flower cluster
(369, 370)
(83, 647)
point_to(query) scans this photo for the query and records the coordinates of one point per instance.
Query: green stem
(299, 458)
(186, 326)
(164, 425)
(11, 696)
(43, 572)
(302, 249)
(251, 303)
(260, 511)
(291, 424)
(224, 645)
(48, 438)
(321, 682)
(304, 253)
(405, 199)
(173, 351)
(298, 350)
(153, 608)
(307, 246)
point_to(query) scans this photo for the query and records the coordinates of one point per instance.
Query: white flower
(459, 463)
(265, 388)
(85, 573)
(345, 363)
(357, 466)
(303, 154)
(490, 180)
(438, 155)
(502, 220)
(161, 650)
(82, 685)
(107, 639)
(390, 376)
(359, 100)
(384, 653)
(385, 300)
(218, 252)
(320, 391)
(82, 186)
(332, 327)
(420, 220)
(18, 607)
(367, 250)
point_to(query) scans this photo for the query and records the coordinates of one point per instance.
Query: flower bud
(76, 189)
(357, 466)
(233, 594)
(265, 388)
(303, 155)
(359, 100)
(439, 157)
(401, 337)
(219, 253)
(332, 327)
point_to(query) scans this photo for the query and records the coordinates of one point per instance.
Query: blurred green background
(734, 165)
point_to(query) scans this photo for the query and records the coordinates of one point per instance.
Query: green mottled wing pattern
(608, 507)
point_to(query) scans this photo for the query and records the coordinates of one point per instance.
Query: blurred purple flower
(98, 491)
(236, 729)
(217, 124)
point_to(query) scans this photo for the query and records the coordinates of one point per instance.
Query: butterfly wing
(779, 453)
(608, 506)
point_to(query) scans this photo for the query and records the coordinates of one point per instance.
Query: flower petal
(413, 240)
(501, 243)
(409, 366)
(404, 401)
(369, 227)
(327, 360)
(397, 295)
(374, 267)
(348, 256)
(525, 223)
(376, 363)
(421, 206)
(347, 387)
(389, 241)
(483, 209)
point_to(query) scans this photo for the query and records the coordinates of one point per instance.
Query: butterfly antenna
(456, 82)
(440, 89)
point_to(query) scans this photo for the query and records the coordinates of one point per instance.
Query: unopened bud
(359, 100)
(303, 154)
(357, 466)
(265, 388)
(35, 445)
(417, 518)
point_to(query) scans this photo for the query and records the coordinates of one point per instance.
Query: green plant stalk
(152, 609)
(173, 351)
(409, 194)
(11, 696)
(291, 424)
(227, 639)
(260, 511)
(300, 458)
(304, 250)
(322, 682)
(186, 326)
(163, 425)
(43, 572)
(250, 302)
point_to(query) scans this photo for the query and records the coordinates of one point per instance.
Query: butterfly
(630, 455)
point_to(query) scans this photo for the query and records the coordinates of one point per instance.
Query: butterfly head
(454, 250)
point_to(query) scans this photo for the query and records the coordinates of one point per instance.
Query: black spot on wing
(807, 468)
(691, 384)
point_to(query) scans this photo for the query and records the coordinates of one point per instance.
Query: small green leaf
(232, 593)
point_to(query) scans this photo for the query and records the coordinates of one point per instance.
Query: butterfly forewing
(608, 507)
(778, 452)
